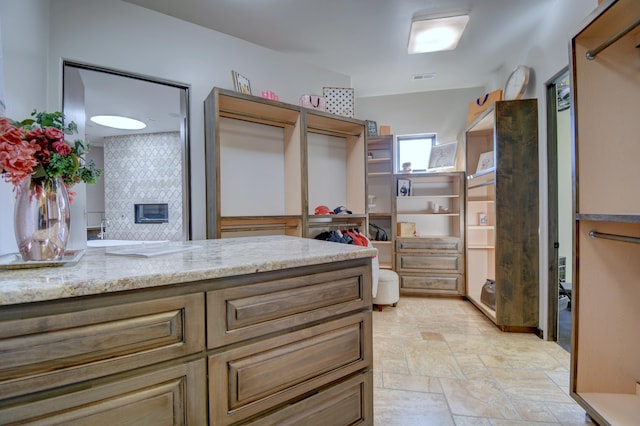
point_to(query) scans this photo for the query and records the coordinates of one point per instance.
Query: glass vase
(41, 219)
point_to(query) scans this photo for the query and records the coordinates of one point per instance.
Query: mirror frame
(184, 131)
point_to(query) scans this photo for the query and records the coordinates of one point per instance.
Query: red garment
(357, 241)
(360, 239)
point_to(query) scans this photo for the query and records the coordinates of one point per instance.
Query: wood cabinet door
(347, 403)
(52, 350)
(247, 380)
(430, 262)
(432, 284)
(241, 313)
(171, 396)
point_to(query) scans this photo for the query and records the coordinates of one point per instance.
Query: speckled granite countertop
(99, 272)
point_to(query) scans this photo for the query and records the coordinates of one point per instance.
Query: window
(414, 149)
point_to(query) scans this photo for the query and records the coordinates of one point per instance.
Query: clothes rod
(334, 225)
(591, 54)
(339, 132)
(624, 238)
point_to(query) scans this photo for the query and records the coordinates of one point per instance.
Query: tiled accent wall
(143, 169)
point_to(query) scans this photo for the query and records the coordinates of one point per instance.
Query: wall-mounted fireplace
(151, 213)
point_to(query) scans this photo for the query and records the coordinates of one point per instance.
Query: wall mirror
(142, 167)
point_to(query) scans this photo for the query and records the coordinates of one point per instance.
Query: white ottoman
(388, 289)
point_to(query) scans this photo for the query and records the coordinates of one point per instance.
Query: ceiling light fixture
(118, 122)
(436, 34)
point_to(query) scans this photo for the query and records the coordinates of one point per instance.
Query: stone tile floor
(439, 361)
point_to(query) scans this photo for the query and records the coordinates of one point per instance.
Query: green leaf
(39, 171)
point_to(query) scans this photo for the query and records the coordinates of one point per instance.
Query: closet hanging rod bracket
(624, 238)
(591, 54)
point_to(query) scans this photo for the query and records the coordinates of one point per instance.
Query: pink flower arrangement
(36, 148)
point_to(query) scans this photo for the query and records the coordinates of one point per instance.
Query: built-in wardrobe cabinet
(381, 195)
(502, 213)
(605, 355)
(429, 236)
(269, 165)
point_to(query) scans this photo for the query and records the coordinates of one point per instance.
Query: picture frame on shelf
(485, 161)
(443, 156)
(372, 128)
(241, 84)
(403, 188)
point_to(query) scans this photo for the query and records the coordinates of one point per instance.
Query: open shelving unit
(381, 190)
(431, 262)
(502, 213)
(605, 353)
(302, 158)
(335, 174)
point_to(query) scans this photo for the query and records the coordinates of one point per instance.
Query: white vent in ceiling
(427, 76)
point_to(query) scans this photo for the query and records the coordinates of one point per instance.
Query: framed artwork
(241, 83)
(372, 128)
(339, 100)
(443, 156)
(404, 188)
(485, 161)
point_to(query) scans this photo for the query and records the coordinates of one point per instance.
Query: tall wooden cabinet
(605, 355)
(270, 164)
(502, 213)
(430, 261)
(381, 195)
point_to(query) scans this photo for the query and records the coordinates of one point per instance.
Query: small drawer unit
(430, 266)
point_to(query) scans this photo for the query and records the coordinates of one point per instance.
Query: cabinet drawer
(172, 396)
(347, 403)
(58, 349)
(241, 313)
(431, 284)
(447, 244)
(247, 380)
(429, 262)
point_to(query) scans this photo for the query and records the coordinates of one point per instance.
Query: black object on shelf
(488, 294)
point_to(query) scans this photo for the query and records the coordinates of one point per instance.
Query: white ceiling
(155, 104)
(367, 39)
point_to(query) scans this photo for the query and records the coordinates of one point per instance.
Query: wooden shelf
(484, 201)
(427, 214)
(615, 408)
(378, 160)
(484, 179)
(372, 174)
(482, 227)
(427, 197)
(380, 215)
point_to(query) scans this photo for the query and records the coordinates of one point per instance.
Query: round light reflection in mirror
(118, 122)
